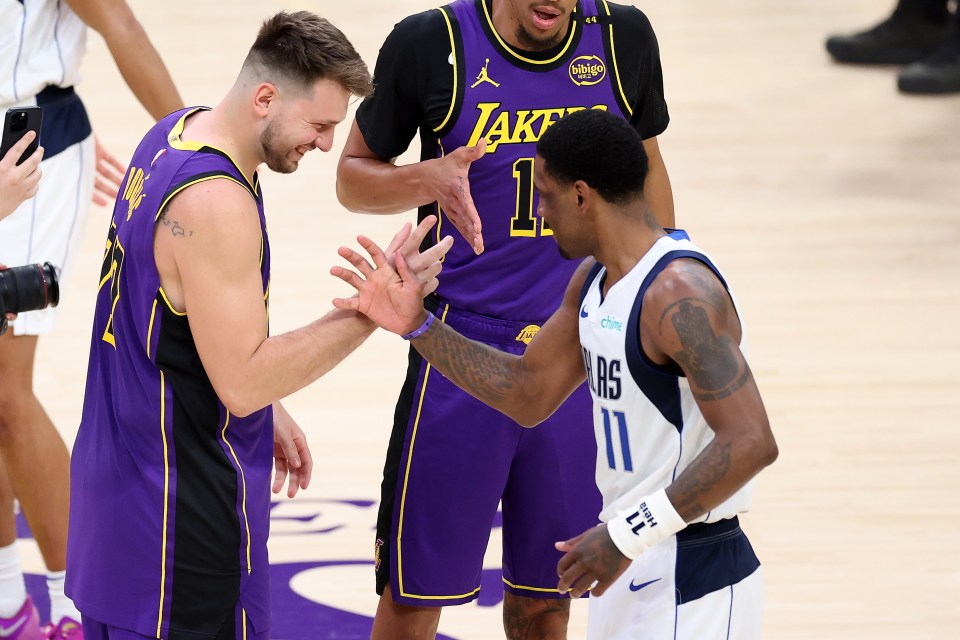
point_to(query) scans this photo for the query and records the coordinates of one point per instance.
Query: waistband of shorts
(480, 327)
(51, 94)
(702, 532)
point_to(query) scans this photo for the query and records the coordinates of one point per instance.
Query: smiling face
(534, 25)
(300, 122)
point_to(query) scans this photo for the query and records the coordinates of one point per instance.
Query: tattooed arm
(688, 322)
(528, 388)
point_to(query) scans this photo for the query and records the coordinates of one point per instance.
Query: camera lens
(28, 288)
(19, 121)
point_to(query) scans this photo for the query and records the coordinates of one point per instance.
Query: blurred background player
(41, 52)
(924, 35)
(482, 80)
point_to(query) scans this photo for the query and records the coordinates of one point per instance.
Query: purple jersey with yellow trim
(170, 493)
(509, 100)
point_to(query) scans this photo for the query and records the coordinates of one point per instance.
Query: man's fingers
(347, 304)
(399, 240)
(376, 253)
(431, 255)
(17, 149)
(357, 260)
(430, 273)
(416, 238)
(294, 484)
(404, 270)
(281, 474)
(306, 466)
(347, 276)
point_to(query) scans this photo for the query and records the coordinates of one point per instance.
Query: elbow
(238, 401)
(347, 197)
(766, 450)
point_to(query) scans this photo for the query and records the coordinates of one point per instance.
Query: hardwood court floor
(832, 202)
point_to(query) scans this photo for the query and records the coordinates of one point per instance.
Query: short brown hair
(302, 48)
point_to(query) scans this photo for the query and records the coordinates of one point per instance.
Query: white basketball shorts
(705, 583)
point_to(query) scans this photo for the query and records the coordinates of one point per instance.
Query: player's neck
(623, 241)
(221, 128)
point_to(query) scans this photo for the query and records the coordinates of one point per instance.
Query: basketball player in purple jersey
(181, 419)
(482, 80)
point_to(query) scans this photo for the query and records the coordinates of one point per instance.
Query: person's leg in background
(37, 464)
(939, 72)
(912, 32)
(19, 619)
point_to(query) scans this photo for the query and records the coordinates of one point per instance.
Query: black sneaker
(896, 40)
(938, 73)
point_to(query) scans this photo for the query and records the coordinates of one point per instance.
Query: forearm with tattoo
(486, 373)
(690, 493)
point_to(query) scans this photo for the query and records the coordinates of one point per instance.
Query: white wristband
(654, 520)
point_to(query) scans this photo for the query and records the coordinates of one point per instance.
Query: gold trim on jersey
(520, 586)
(403, 495)
(243, 484)
(169, 305)
(166, 497)
(174, 140)
(453, 57)
(219, 176)
(566, 47)
(616, 69)
(153, 314)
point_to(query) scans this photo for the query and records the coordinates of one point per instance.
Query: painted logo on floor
(322, 580)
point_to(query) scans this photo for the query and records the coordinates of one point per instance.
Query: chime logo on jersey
(611, 323)
(498, 127)
(587, 70)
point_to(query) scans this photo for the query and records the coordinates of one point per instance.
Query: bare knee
(16, 384)
(535, 618)
(395, 621)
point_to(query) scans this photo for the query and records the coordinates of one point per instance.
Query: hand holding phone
(19, 182)
(16, 123)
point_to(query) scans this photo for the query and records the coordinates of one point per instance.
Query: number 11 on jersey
(623, 436)
(524, 223)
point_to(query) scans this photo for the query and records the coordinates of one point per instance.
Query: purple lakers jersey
(169, 492)
(509, 99)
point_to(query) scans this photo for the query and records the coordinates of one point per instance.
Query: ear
(264, 96)
(582, 190)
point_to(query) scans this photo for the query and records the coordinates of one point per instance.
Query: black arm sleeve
(638, 59)
(413, 84)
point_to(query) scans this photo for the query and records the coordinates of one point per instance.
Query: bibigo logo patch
(587, 70)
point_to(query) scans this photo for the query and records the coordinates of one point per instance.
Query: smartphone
(16, 123)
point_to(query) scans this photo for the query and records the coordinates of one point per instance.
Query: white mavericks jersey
(647, 423)
(42, 43)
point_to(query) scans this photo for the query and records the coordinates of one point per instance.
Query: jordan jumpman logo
(483, 77)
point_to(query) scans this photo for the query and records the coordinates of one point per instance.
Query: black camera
(27, 288)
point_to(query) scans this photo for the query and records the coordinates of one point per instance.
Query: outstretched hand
(592, 563)
(454, 196)
(392, 296)
(109, 176)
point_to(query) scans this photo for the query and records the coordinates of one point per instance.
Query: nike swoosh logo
(583, 313)
(12, 629)
(637, 587)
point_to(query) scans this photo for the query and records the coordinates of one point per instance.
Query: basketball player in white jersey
(681, 430)
(42, 43)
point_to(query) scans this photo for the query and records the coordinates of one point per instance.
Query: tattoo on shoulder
(174, 225)
(709, 359)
